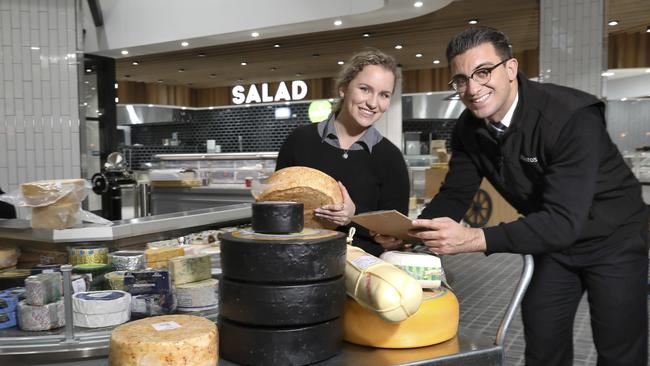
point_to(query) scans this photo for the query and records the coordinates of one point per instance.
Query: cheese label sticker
(365, 261)
(165, 326)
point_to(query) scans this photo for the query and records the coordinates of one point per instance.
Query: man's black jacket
(556, 165)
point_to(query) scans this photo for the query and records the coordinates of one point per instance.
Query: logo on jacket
(528, 159)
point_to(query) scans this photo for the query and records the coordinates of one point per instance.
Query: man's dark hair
(474, 37)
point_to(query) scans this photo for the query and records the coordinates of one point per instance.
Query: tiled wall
(572, 43)
(39, 116)
(257, 127)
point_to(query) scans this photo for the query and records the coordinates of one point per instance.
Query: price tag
(165, 326)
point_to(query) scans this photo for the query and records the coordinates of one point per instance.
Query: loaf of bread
(380, 286)
(47, 192)
(309, 186)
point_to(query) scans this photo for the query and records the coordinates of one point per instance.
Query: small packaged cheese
(425, 268)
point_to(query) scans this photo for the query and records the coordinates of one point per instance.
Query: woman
(371, 170)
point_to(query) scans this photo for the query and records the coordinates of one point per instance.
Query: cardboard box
(433, 178)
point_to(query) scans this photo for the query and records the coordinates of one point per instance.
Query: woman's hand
(340, 213)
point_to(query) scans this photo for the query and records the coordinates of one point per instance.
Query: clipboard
(387, 222)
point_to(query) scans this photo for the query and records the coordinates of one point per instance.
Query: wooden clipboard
(387, 222)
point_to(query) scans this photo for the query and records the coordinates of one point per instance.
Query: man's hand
(445, 236)
(340, 213)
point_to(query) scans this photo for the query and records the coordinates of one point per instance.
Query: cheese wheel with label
(168, 340)
(436, 321)
(380, 286)
(425, 268)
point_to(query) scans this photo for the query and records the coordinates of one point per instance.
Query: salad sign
(254, 95)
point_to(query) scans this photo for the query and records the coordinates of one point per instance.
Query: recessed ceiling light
(185, 43)
(244, 63)
(272, 69)
(418, 55)
(436, 61)
(276, 45)
(472, 21)
(89, 70)
(124, 52)
(181, 70)
(135, 63)
(160, 81)
(338, 22)
(418, 4)
(607, 73)
(398, 46)
(34, 48)
(298, 74)
(340, 62)
(255, 34)
(201, 54)
(213, 75)
(366, 35)
(612, 23)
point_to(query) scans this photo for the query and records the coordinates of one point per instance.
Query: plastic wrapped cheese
(425, 268)
(8, 257)
(380, 286)
(36, 317)
(190, 268)
(43, 288)
(47, 192)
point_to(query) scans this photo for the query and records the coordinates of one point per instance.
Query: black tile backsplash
(239, 129)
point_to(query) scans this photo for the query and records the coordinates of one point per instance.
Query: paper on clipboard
(387, 222)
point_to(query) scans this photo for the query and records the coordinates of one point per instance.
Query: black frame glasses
(482, 76)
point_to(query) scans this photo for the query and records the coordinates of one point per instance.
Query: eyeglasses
(460, 82)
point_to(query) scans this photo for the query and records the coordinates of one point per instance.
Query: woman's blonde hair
(355, 65)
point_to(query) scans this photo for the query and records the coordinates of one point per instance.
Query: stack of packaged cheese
(55, 203)
(194, 287)
(96, 309)
(42, 308)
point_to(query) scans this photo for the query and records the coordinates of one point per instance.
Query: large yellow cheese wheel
(168, 340)
(436, 321)
(309, 186)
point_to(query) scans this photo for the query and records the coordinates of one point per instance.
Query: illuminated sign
(253, 95)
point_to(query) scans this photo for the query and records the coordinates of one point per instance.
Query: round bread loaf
(309, 186)
(47, 192)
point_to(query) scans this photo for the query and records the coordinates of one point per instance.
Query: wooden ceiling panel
(315, 55)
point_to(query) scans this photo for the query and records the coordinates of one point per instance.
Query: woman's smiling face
(367, 96)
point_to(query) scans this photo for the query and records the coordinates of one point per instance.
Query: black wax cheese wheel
(261, 346)
(281, 305)
(249, 256)
(278, 217)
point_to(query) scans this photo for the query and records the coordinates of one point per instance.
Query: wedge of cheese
(309, 186)
(168, 340)
(190, 268)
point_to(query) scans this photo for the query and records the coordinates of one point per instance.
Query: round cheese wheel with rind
(168, 340)
(435, 321)
(281, 305)
(264, 346)
(311, 255)
(276, 217)
(309, 186)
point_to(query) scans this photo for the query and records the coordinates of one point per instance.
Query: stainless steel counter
(166, 200)
(126, 231)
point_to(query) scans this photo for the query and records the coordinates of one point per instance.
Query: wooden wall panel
(628, 50)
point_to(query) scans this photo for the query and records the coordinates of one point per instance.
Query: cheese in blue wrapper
(153, 304)
(147, 282)
(7, 319)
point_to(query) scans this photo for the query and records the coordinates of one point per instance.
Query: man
(546, 149)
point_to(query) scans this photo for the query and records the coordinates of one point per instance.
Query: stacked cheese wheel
(281, 297)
